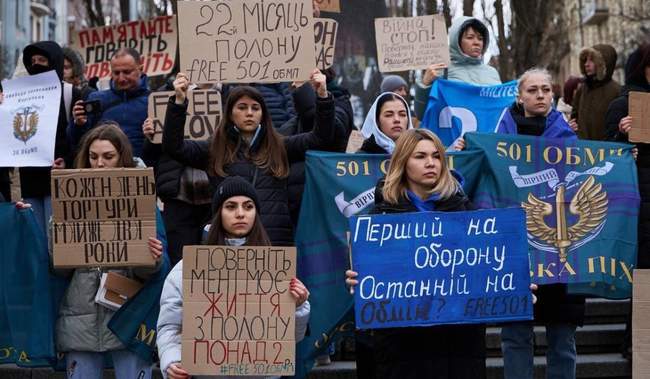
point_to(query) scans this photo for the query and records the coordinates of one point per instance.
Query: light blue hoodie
(462, 68)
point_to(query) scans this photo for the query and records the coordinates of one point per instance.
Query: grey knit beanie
(392, 83)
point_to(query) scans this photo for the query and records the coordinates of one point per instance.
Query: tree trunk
(538, 31)
(430, 6)
(502, 43)
(446, 12)
(468, 8)
(125, 10)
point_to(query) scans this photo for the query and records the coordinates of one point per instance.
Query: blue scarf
(427, 205)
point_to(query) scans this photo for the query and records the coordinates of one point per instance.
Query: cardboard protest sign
(641, 324)
(329, 5)
(639, 110)
(242, 41)
(103, 217)
(325, 32)
(154, 39)
(29, 116)
(238, 315)
(431, 268)
(203, 113)
(411, 43)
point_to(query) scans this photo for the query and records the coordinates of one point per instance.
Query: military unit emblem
(25, 124)
(589, 205)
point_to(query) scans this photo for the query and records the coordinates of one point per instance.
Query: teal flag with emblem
(338, 186)
(581, 200)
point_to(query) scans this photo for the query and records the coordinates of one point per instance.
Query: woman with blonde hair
(419, 180)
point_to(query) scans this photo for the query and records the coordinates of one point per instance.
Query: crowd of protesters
(245, 183)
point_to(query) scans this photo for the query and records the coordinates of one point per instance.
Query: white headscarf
(371, 128)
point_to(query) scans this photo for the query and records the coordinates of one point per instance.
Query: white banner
(29, 116)
(548, 176)
(356, 205)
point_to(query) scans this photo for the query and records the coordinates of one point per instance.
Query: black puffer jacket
(34, 181)
(272, 192)
(444, 352)
(167, 171)
(304, 99)
(616, 111)
(370, 146)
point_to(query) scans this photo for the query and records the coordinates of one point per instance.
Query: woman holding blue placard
(419, 180)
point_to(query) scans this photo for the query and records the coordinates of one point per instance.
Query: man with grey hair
(125, 102)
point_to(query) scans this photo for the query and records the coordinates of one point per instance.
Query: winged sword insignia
(589, 204)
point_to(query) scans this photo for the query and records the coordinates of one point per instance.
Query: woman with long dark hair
(236, 222)
(246, 144)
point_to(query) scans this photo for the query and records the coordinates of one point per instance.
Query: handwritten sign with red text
(238, 314)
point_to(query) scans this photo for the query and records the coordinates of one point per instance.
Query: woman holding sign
(247, 145)
(82, 330)
(419, 180)
(236, 223)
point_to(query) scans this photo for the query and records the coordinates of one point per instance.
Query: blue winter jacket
(127, 108)
(556, 127)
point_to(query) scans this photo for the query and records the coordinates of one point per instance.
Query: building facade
(624, 24)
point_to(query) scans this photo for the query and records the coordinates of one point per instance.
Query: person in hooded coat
(38, 58)
(73, 71)
(590, 103)
(468, 42)
(618, 124)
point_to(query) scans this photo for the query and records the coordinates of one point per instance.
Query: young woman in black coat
(419, 180)
(246, 144)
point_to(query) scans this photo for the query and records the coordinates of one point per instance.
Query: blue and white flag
(455, 108)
